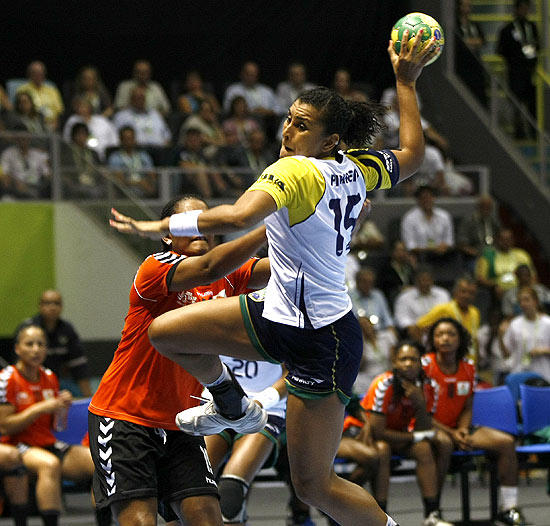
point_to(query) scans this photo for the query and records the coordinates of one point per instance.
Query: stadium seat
(484, 413)
(77, 422)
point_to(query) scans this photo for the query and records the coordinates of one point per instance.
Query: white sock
(509, 497)
(390, 521)
(222, 378)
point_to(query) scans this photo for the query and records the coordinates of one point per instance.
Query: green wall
(28, 261)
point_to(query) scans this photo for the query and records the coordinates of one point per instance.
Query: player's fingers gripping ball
(414, 22)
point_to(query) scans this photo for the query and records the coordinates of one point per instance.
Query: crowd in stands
(221, 141)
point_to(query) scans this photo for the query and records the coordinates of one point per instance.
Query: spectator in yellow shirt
(45, 95)
(461, 308)
(495, 268)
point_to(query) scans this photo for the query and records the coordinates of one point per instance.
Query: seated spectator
(206, 121)
(259, 154)
(65, 352)
(195, 92)
(80, 166)
(249, 161)
(5, 102)
(25, 169)
(197, 173)
(400, 403)
(496, 265)
(477, 232)
(367, 237)
(524, 277)
(460, 308)
(399, 274)
(446, 362)
(296, 82)
(261, 99)
(15, 483)
(369, 302)
(102, 132)
(46, 97)
(343, 86)
(155, 96)
(88, 84)
(431, 173)
(133, 167)
(31, 406)
(372, 310)
(239, 121)
(526, 342)
(427, 229)
(390, 135)
(414, 302)
(25, 115)
(149, 125)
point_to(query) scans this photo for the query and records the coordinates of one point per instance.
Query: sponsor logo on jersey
(389, 161)
(347, 177)
(270, 178)
(257, 295)
(185, 298)
(303, 381)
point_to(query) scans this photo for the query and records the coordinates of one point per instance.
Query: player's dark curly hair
(357, 123)
(464, 337)
(27, 324)
(170, 209)
(398, 390)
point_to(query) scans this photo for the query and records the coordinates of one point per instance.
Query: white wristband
(268, 397)
(421, 435)
(185, 224)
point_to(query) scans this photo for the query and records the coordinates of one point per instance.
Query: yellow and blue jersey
(318, 202)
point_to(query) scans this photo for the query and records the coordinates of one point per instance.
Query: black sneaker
(511, 517)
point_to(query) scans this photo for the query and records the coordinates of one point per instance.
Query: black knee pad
(233, 491)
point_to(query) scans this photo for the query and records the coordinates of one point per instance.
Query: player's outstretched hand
(408, 64)
(148, 229)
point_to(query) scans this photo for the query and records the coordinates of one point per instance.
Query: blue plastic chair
(77, 422)
(495, 407)
(535, 409)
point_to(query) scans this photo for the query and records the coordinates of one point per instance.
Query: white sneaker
(434, 519)
(205, 420)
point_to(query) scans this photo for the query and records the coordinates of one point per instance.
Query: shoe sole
(191, 428)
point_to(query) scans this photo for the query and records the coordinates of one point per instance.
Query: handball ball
(414, 22)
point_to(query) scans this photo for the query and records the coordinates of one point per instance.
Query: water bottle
(60, 419)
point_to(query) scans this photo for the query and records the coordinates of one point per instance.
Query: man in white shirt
(427, 228)
(156, 98)
(261, 99)
(414, 302)
(150, 127)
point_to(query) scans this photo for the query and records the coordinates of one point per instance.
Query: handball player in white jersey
(310, 200)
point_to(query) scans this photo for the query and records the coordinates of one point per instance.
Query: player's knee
(233, 491)
(384, 451)
(307, 489)
(11, 459)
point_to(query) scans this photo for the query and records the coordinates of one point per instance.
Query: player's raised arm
(407, 66)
